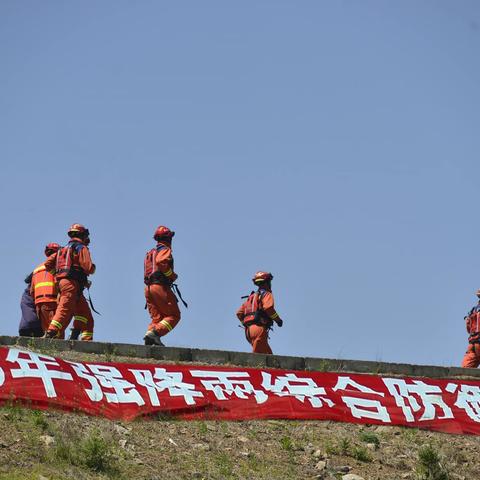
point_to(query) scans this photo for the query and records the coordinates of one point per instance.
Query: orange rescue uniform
(44, 293)
(162, 303)
(472, 355)
(257, 334)
(71, 300)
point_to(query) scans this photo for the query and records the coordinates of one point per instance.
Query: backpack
(150, 273)
(253, 310)
(67, 264)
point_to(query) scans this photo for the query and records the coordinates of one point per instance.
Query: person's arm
(51, 263)
(32, 289)
(241, 313)
(268, 305)
(163, 261)
(85, 261)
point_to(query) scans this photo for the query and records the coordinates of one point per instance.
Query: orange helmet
(51, 248)
(77, 228)
(261, 277)
(163, 232)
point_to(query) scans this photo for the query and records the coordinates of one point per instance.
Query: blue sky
(334, 144)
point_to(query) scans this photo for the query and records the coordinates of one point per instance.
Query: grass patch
(331, 448)
(224, 464)
(286, 443)
(94, 451)
(370, 437)
(429, 466)
(361, 454)
(202, 428)
(38, 419)
(345, 446)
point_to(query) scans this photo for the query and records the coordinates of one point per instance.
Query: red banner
(126, 391)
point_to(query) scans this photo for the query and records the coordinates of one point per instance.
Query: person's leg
(30, 332)
(259, 339)
(45, 313)
(83, 319)
(66, 305)
(163, 309)
(472, 356)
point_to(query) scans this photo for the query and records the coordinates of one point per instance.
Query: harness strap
(176, 290)
(90, 302)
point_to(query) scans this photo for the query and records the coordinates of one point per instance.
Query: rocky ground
(57, 446)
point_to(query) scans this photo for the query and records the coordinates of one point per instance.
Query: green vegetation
(202, 428)
(93, 451)
(224, 464)
(361, 454)
(286, 443)
(370, 437)
(429, 466)
(345, 446)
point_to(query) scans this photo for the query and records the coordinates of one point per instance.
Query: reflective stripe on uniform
(39, 269)
(274, 316)
(168, 272)
(44, 284)
(166, 325)
(56, 324)
(81, 319)
(87, 334)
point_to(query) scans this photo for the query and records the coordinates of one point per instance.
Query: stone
(242, 439)
(47, 440)
(383, 429)
(122, 442)
(371, 446)
(201, 446)
(352, 476)
(120, 429)
(321, 465)
(308, 449)
(318, 454)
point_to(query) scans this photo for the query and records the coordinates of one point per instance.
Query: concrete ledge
(220, 357)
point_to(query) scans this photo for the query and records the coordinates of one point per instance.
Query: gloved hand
(279, 322)
(173, 277)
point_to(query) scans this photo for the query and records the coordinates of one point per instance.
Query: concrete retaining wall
(221, 357)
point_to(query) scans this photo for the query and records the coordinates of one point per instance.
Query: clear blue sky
(332, 143)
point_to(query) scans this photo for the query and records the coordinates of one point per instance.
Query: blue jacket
(29, 320)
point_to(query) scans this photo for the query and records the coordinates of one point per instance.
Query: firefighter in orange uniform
(472, 320)
(159, 276)
(71, 265)
(44, 291)
(258, 313)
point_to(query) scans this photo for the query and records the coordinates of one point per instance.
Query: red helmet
(163, 232)
(76, 228)
(51, 248)
(261, 277)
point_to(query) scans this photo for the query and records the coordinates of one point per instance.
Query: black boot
(74, 334)
(151, 338)
(50, 334)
